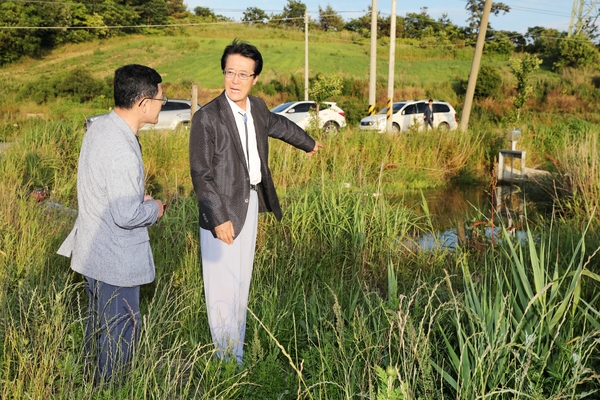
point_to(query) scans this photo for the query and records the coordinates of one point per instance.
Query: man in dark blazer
(229, 153)
(428, 115)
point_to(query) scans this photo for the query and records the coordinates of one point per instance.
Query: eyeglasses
(163, 100)
(242, 75)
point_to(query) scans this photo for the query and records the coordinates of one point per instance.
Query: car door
(406, 116)
(299, 114)
(173, 115)
(441, 114)
(420, 112)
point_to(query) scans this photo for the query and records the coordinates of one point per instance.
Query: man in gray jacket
(109, 244)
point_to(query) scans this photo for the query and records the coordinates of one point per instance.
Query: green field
(344, 304)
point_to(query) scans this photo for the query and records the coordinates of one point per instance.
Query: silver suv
(331, 117)
(410, 113)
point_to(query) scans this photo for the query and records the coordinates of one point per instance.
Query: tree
(499, 43)
(154, 12)
(254, 16)
(475, 9)
(204, 12)
(322, 88)
(451, 31)
(416, 24)
(292, 15)
(16, 43)
(577, 51)
(544, 41)
(329, 20)
(176, 8)
(362, 25)
(522, 68)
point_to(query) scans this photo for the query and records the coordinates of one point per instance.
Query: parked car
(331, 117)
(410, 113)
(174, 113)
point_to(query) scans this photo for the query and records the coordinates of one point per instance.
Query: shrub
(488, 84)
(354, 110)
(78, 85)
(577, 51)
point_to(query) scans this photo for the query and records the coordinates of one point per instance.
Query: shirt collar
(237, 109)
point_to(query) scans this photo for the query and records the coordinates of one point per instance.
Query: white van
(410, 112)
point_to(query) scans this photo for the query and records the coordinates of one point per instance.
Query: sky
(524, 13)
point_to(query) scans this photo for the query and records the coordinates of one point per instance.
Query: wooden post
(194, 100)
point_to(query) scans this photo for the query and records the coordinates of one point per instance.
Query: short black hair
(134, 82)
(244, 49)
(430, 101)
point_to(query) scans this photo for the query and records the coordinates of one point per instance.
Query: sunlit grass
(341, 306)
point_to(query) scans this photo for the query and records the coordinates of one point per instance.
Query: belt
(253, 187)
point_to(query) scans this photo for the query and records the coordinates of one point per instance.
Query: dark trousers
(113, 323)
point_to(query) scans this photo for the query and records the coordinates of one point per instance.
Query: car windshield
(282, 107)
(397, 107)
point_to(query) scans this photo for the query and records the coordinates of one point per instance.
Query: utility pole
(373, 65)
(194, 100)
(464, 121)
(305, 55)
(390, 100)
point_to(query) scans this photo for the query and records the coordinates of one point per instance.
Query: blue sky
(524, 14)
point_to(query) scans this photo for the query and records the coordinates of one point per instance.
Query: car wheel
(444, 127)
(331, 128)
(396, 129)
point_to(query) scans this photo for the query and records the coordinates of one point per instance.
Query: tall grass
(340, 306)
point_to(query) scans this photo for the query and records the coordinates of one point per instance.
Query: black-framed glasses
(162, 100)
(229, 74)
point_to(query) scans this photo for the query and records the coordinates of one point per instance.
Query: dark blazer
(428, 113)
(218, 166)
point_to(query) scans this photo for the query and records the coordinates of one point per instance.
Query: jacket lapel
(231, 127)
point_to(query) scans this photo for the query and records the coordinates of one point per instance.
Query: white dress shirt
(254, 164)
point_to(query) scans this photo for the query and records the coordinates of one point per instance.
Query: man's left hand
(318, 145)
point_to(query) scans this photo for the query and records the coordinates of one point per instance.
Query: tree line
(30, 28)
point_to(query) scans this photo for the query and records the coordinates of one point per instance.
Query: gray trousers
(113, 323)
(227, 271)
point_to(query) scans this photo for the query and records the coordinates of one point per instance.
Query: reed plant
(340, 306)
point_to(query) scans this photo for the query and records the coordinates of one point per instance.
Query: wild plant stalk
(581, 170)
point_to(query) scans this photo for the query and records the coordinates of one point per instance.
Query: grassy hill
(193, 55)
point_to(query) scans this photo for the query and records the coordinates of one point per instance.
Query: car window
(395, 108)
(175, 105)
(410, 109)
(303, 107)
(440, 108)
(170, 106)
(282, 107)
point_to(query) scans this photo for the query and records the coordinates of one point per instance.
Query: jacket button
(246, 200)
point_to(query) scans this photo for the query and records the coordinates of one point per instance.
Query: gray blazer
(218, 166)
(110, 241)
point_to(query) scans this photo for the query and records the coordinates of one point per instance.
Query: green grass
(341, 305)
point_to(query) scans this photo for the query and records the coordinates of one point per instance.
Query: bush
(577, 51)
(488, 84)
(354, 109)
(78, 85)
